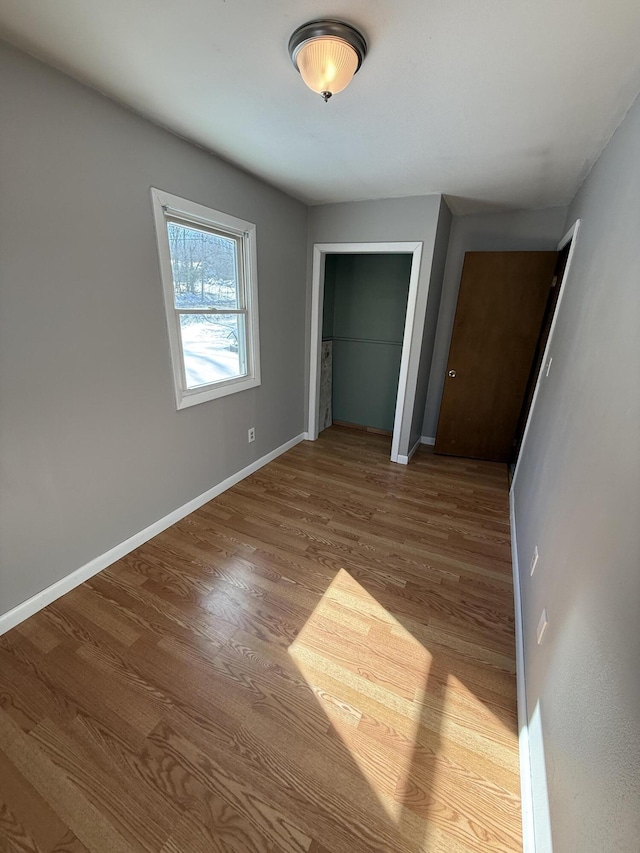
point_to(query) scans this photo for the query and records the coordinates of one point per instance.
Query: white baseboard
(404, 460)
(526, 793)
(41, 599)
(428, 439)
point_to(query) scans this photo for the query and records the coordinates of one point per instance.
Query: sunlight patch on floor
(370, 676)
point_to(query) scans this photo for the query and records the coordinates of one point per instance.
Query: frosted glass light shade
(327, 64)
(327, 54)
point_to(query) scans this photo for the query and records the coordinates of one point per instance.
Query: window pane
(212, 345)
(204, 267)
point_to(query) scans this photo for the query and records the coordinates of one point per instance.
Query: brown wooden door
(545, 328)
(500, 310)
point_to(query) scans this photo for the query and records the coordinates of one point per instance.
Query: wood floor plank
(91, 825)
(23, 806)
(130, 809)
(319, 660)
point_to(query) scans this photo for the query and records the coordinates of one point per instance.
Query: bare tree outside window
(204, 266)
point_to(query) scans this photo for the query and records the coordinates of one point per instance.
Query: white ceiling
(497, 103)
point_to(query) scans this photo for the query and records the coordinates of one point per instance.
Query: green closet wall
(365, 305)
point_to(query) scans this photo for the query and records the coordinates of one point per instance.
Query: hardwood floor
(321, 659)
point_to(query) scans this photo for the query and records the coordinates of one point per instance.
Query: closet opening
(364, 300)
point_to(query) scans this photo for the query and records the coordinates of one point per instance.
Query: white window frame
(165, 208)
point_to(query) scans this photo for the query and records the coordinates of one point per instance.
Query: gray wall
(370, 306)
(532, 230)
(92, 447)
(431, 322)
(385, 220)
(577, 497)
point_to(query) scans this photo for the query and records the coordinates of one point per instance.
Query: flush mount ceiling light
(327, 54)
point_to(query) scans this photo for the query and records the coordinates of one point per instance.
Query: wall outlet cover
(534, 560)
(542, 625)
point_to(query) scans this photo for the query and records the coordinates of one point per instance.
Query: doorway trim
(320, 251)
(569, 237)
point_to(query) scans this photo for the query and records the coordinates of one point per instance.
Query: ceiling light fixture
(327, 54)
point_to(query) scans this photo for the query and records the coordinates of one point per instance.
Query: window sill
(204, 395)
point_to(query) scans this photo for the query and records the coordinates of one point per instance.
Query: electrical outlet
(542, 625)
(534, 560)
(251, 434)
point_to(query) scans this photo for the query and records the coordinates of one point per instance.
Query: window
(208, 270)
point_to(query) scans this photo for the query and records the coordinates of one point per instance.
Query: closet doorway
(362, 320)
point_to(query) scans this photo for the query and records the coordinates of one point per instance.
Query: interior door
(545, 328)
(500, 309)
